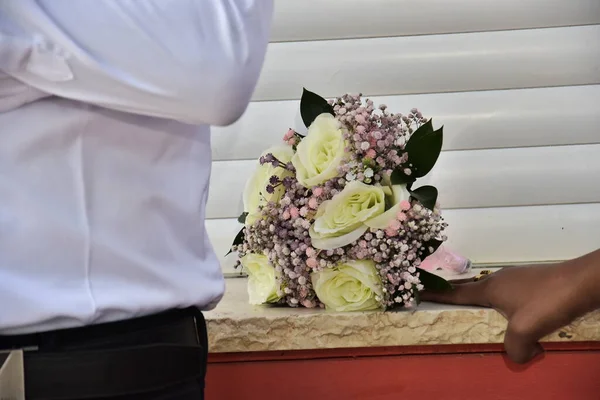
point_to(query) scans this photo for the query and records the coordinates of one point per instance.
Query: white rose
(262, 279)
(320, 153)
(351, 286)
(400, 193)
(341, 220)
(395, 195)
(255, 193)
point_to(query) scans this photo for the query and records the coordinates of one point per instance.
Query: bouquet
(334, 218)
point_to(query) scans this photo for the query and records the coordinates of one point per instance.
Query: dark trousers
(184, 391)
(161, 357)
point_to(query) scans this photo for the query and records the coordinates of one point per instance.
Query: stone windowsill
(235, 326)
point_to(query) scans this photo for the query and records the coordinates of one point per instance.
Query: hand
(536, 300)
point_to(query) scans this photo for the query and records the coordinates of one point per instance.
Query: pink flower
(303, 211)
(318, 191)
(312, 203)
(394, 224)
(289, 135)
(308, 304)
(404, 205)
(401, 216)
(310, 252)
(291, 141)
(360, 119)
(391, 232)
(286, 214)
(312, 262)
(371, 154)
(360, 129)
(363, 244)
(294, 212)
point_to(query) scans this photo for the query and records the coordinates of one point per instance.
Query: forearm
(190, 60)
(587, 281)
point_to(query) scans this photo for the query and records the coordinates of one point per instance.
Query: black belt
(121, 358)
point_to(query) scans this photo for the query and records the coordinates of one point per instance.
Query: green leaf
(426, 195)
(430, 248)
(239, 238)
(312, 105)
(242, 218)
(417, 297)
(433, 282)
(423, 148)
(400, 178)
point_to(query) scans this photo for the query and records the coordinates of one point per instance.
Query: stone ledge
(235, 326)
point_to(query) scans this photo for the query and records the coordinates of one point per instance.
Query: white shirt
(105, 107)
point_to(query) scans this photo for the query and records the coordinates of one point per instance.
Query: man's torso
(101, 213)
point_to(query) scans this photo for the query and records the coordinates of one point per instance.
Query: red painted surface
(386, 351)
(567, 372)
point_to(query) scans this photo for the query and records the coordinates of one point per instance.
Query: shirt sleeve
(197, 61)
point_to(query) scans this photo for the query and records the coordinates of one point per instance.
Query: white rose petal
(400, 193)
(262, 279)
(331, 243)
(341, 220)
(396, 194)
(320, 153)
(382, 221)
(351, 286)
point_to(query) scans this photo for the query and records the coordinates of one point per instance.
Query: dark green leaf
(242, 218)
(312, 105)
(423, 148)
(399, 177)
(239, 238)
(417, 297)
(433, 282)
(426, 195)
(429, 248)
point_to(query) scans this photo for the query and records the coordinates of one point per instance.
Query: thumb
(520, 344)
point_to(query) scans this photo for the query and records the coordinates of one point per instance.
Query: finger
(461, 294)
(520, 345)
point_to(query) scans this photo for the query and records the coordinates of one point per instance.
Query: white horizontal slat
(472, 120)
(496, 235)
(433, 64)
(346, 19)
(466, 179)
